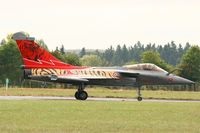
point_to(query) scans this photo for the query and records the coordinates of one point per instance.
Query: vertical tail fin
(35, 56)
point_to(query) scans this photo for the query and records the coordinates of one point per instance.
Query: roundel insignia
(170, 79)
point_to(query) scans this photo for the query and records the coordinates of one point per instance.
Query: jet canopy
(145, 66)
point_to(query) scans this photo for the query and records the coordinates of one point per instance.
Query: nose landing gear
(139, 98)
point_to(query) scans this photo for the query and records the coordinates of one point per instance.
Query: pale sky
(97, 24)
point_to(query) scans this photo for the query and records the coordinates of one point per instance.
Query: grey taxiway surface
(89, 99)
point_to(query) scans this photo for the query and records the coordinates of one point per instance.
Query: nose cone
(180, 80)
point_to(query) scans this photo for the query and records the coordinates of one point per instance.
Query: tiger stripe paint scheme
(87, 73)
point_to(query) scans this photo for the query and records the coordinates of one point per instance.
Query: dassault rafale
(40, 65)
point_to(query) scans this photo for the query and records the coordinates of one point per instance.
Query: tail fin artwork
(35, 56)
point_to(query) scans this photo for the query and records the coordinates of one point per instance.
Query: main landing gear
(139, 98)
(81, 94)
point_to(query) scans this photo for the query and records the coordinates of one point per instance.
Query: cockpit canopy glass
(145, 66)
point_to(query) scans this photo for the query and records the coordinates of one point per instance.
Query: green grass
(57, 116)
(101, 92)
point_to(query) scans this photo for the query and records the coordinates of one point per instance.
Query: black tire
(82, 95)
(76, 95)
(139, 98)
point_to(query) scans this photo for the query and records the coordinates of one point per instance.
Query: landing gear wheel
(81, 95)
(139, 98)
(77, 95)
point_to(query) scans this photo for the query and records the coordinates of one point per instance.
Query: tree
(150, 47)
(58, 55)
(72, 59)
(82, 52)
(154, 57)
(172, 54)
(10, 61)
(108, 55)
(136, 50)
(57, 49)
(42, 44)
(3, 41)
(187, 46)
(180, 53)
(125, 54)
(117, 58)
(62, 49)
(92, 60)
(190, 64)
(131, 62)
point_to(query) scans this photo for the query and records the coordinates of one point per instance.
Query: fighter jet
(40, 65)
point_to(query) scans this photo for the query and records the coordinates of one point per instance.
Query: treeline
(170, 53)
(122, 55)
(166, 56)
